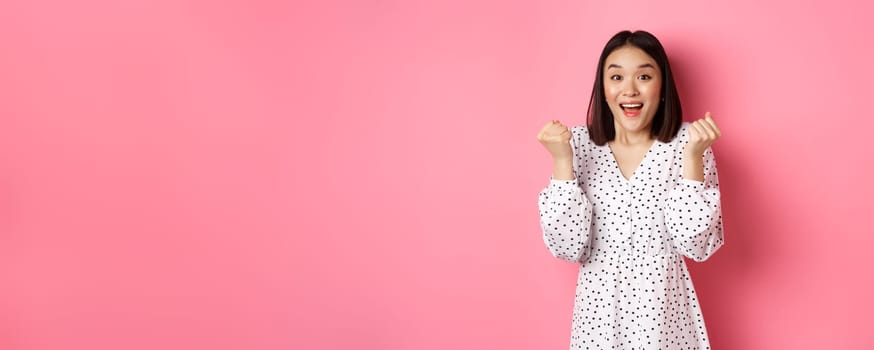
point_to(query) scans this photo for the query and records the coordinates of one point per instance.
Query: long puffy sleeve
(566, 214)
(694, 214)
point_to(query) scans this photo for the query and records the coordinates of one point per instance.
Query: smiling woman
(633, 83)
(631, 194)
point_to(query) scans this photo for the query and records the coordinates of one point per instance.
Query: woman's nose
(629, 90)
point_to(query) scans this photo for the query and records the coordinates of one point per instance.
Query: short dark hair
(668, 118)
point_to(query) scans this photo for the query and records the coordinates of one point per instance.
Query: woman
(631, 193)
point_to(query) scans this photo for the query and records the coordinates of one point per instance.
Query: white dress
(629, 237)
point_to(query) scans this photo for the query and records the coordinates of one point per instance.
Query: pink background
(363, 175)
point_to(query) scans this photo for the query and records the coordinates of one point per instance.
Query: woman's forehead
(629, 57)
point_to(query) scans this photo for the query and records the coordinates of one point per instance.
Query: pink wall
(325, 175)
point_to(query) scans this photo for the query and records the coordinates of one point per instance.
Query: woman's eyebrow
(645, 65)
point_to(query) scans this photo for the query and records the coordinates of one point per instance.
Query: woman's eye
(615, 77)
(645, 77)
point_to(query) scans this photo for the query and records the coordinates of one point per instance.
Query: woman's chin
(632, 124)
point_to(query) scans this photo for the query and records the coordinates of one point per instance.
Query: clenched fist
(702, 133)
(557, 139)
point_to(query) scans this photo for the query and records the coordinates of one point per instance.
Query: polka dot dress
(629, 237)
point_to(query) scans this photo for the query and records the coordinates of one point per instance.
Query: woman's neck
(630, 138)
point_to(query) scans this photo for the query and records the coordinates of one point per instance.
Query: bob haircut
(668, 118)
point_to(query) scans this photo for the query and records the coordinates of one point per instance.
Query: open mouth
(631, 106)
(631, 110)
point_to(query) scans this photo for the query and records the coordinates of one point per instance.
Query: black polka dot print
(630, 237)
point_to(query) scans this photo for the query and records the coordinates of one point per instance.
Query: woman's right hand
(557, 139)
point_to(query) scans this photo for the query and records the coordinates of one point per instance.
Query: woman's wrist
(693, 167)
(562, 168)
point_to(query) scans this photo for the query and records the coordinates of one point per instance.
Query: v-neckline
(618, 169)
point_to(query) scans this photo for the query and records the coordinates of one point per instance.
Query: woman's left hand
(702, 133)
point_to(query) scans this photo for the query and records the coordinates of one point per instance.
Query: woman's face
(632, 87)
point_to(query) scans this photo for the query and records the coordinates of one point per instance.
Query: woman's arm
(694, 211)
(565, 212)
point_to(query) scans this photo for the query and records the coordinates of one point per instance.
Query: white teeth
(631, 105)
